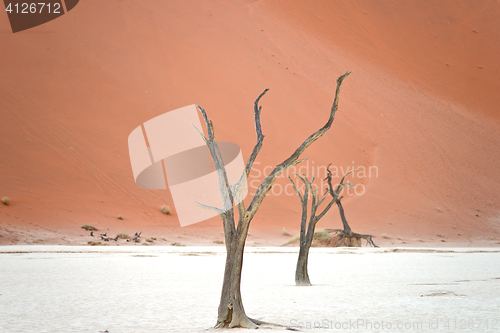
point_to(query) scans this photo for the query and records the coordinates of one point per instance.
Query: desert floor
(176, 289)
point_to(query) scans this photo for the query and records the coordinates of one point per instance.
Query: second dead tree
(307, 229)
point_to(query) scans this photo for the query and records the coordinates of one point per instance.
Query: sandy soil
(421, 108)
(171, 289)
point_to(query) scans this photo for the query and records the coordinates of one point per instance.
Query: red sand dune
(421, 108)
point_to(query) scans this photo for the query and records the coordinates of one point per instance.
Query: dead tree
(231, 312)
(137, 238)
(344, 236)
(307, 234)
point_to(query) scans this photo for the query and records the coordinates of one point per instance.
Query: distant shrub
(386, 236)
(165, 209)
(119, 217)
(177, 244)
(93, 243)
(123, 236)
(153, 238)
(285, 233)
(217, 241)
(149, 240)
(6, 200)
(321, 235)
(293, 240)
(89, 227)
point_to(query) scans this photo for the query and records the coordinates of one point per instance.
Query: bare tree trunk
(231, 312)
(301, 275)
(345, 224)
(307, 235)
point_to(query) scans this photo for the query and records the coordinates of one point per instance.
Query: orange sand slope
(420, 112)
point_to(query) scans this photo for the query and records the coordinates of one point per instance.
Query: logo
(168, 149)
(26, 15)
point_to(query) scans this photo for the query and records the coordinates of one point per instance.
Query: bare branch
(336, 193)
(314, 205)
(224, 188)
(316, 135)
(296, 190)
(292, 165)
(248, 167)
(257, 109)
(260, 136)
(320, 201)
(202, 135)
(215, 209)
(327, 208)
(207, 122)
(343, 178)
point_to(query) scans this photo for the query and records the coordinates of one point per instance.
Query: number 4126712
(462, 324)
(33, 8)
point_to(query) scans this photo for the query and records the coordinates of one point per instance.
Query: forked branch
(266, 184)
